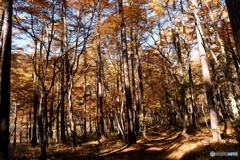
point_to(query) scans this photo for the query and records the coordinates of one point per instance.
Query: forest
(119, 79)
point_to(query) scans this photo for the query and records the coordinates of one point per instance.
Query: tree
(5, 79)
(206, 76)
(126, 75)
(234, 14)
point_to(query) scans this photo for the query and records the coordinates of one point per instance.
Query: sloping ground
(162, 143)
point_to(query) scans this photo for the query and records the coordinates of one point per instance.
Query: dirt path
(155, 147)
(162, 143)
(167, 143)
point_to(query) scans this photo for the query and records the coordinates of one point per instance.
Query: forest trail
(162, 143)
(155, 146)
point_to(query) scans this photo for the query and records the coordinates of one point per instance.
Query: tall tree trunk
(134, 91)
(69, 80)
(128, 96)
(70, 114)
(57, 125)
(34, 129)
(141, 109)
(15, 124)
(62, 125)
(99, 82)
(5, 79)
(193, 104)
(85, 99)
(206, 76)
(41, 127)
(177, 45)
(51, 120)
(62, 79)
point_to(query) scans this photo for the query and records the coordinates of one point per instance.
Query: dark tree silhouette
(5, 79)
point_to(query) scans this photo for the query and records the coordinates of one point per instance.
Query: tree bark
(35, 108)
(128, 96)
(5, 79)
(70, 114)
(193, 104)
(99, 82)
(41, 127)
(85, 99)
(206, 76)
(234, 16)
(15, 124)
(62, 79)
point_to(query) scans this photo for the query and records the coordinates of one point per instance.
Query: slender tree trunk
(63, 52)
(90, 125)
(134, 90)
(120, 129)
(193, 104)
(57, 124)
(41, 128)
(30, 125)
(5, 79)
(99, 79)
(70, 114)
(62, 125)
(15, 125)
(21, 126)
(141, 109)
(206, 76)
(127, 89)
(51, 120)
(69, 80)
(34, 129)
(100, 86)
(85, 99)
(177, 45)
(111, 119)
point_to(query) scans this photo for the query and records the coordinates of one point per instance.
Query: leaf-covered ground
(161, 143)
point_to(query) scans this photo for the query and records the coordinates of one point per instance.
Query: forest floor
(162, 143)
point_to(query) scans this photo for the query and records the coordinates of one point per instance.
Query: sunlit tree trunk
(206, 76)
(70, 114)
(227, 72)
(5, 79)
(120, 100)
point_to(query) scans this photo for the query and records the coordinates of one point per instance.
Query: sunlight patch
(154, 149)
(182, 150)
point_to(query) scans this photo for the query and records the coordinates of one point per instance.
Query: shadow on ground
(155, 147)
(163, 143)
(203, 153)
